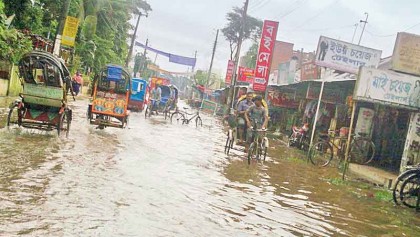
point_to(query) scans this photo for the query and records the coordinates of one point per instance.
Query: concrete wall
(3, 87)
(15, 86)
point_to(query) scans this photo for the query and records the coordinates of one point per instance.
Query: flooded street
(159, 179)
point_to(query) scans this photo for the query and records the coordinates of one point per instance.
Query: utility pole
(133, 40)
(238, 53)
(355, 30)
(144, 63)
(212, 59)
(60, 28)
(364, 25)
(195, 56)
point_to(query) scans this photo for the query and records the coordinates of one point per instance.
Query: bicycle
(259, 145)
(362, 149)
(169, 105)
(182, 116)
(398, 193)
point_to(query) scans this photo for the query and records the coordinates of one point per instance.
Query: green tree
(201, 78)
(231, 31)
(13, 44)
(250, 57)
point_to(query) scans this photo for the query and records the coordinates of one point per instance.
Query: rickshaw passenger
(242, 108)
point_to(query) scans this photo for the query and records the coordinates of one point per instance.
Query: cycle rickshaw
(111, 95)
(43, 103)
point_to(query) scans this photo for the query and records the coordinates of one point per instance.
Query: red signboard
(246, 74)
(265, 55)
(309, 71)
(229, 72)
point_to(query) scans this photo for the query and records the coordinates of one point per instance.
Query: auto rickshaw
(138, 94)
(111, 95)
(43, 103)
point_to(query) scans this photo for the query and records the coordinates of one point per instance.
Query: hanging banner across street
(265, 54)
(345, 57)
(388, 87)
(406, 57)
(229, 72)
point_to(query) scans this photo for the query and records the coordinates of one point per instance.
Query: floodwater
(158, 179)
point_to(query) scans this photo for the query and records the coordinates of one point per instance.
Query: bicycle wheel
(146, 112)
(362, 151)
(410, 191)
(291, 140)
(177, 117)
(251, 151)
(64, 123)
(321, 154)
(227, 145)
(198, 122)
(265, 153)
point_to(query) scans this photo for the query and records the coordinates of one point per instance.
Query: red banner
(246, 74)
(309, 71)
(229, 72)
(265, 55)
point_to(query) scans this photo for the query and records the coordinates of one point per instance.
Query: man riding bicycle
(258, 115)
(156, 97)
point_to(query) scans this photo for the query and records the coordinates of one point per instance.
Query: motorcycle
(298, 138)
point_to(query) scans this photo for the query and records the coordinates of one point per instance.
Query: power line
(261, 6)
(316, 15)
(258, 5)
(293, 10)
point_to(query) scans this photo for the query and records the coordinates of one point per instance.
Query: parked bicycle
(407, 188)
(259, 145)
(362, 149)
(182, 117)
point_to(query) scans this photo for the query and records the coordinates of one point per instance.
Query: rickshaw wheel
(9, 116)
(64, 123)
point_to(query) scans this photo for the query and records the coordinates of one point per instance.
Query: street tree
(252, 29)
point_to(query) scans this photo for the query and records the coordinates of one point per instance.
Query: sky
(185, 26)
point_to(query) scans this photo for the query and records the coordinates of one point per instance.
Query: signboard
(346, 57)
(365, 121)
(406, 57)
(265, 55)
(209, 106)
(246, 74)
(70, 31)
(309, 71)
(283, 99)
(229, 72)
(330, 95)
(114, 73)
(387, 87)
(411, 153)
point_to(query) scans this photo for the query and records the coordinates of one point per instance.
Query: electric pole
(60, 28)
(355, 30)
(144, 64)
(212, 59)
(364, 25)
(133, 40)
(195, 56)
(237, 56)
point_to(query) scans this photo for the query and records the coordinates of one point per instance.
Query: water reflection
(159, 179)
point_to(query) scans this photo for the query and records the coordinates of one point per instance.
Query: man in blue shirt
(243, 106)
